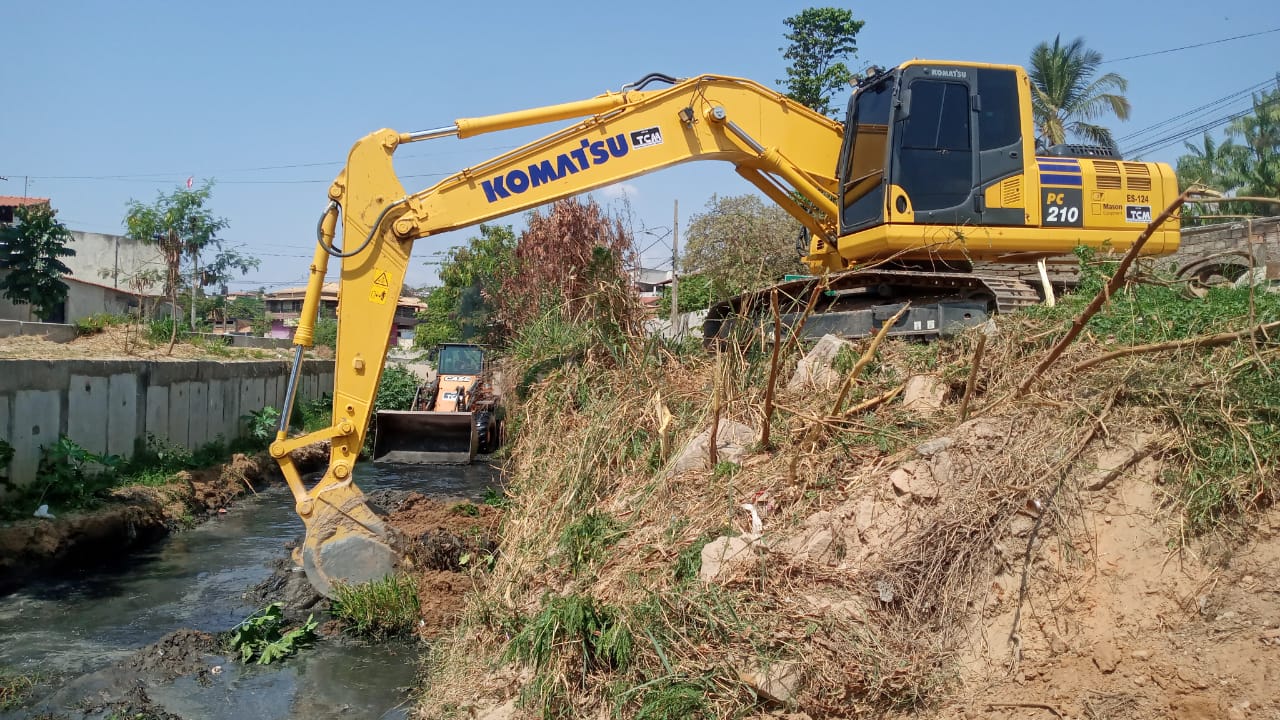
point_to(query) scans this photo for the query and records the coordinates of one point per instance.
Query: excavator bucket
(424, 437)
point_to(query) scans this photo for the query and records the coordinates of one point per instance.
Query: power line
(1214, 104)
(1189, 47)
(1166, 141)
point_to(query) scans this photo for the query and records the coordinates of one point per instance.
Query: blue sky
(111, 101)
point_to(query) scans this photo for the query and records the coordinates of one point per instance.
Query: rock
(776, 683)
(923, 393)
(1140, 654)
(940, 467)
(932, 447)
(1256, 276)
(814, 369)
(1106, 658)
(914, 478)
(1235, 713)
(1195, 708)
(732, 440)
(722, 555)
(1186, 675)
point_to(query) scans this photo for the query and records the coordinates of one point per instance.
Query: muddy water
(195, 579)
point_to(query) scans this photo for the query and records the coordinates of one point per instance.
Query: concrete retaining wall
(110, 405)
(55, 332)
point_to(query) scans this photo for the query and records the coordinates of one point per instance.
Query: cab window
(935, 157)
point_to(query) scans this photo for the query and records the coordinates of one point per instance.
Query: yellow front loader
(934, 169)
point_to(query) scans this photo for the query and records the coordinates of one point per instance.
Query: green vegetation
(460, 309)
(1067, 95)
(585, 540)
(673, 700)
(262, 425)
(1245, 163)
(72, 478)
(821, 39)
(31, 252)
(15, 688)
(162, 330)
(396, 388)
(262, 637)
(326, 332)
(739, 243)
(380, 608)
(97, 322)
(181, 226)
(593, 631)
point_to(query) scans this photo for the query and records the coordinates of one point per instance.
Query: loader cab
(459, 359)
(925, 141)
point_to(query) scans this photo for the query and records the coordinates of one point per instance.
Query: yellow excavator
(934, 171)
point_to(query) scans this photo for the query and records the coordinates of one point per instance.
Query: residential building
(284, 307)
(648, 284)
(109, 274)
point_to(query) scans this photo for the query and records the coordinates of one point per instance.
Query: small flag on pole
(189, 181)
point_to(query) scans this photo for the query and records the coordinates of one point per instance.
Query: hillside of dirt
(1000, 524)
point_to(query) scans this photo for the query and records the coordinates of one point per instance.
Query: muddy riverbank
(134, 517)
(172, 599)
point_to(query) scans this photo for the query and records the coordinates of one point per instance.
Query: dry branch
(1112, 286)
(867, 355)
(973, 376)
(773, 370)
(1257, 332)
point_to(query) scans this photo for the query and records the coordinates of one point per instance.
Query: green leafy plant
(261, 637)
(162, 330)
(585, 540)
(396, 389)
(261, 425)
(97, 322)
(674, 701)
(70, 476)
(31, 249)
(380, 608)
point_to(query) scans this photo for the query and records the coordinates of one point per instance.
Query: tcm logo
(1137, 213)
(646, 138)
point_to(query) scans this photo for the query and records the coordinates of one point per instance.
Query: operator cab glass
(864, 158)
(933, 138)
(460, 360)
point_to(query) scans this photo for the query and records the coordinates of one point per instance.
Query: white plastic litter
(43, 512)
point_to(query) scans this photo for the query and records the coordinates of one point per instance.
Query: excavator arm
(778, 145)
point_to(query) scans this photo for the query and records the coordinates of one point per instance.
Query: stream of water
(196, 579)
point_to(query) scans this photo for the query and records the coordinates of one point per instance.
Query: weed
(466, 509)
(585, 540)
(380, 608)
(160, 329)
(396, 388)
(673, 700)
(496, 499)
(15, 688)
(262, 424)
(689, 561)
(593, 631)
(262, 636)
(312, 415)
(98, 322)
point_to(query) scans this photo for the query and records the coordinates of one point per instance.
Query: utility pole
(675, 259)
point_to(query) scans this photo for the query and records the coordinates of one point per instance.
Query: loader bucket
(424, 437)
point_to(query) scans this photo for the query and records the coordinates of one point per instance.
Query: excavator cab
(939, 169)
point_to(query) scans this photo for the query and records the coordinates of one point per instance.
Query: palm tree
(1065, 96)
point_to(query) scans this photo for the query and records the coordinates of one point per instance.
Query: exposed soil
(1127, 628)
(134, 517)
(450, 539)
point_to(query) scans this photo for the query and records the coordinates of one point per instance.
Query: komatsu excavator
(934, 171)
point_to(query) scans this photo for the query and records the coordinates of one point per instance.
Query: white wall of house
(100, 279)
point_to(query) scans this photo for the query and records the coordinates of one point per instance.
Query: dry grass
(123, 342)
(873, 625)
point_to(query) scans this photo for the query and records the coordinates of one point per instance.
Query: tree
(571, 260)
(460, 309)
(1246, 162)
(739, 243)
(252, 308)
(31, 250)
(821, 39)
(183, 228)
(1066, 97)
